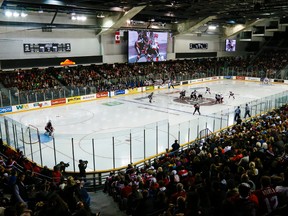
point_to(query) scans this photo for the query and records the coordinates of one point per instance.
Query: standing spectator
(247, 111)
(237, 113)
(62, 166)
(196, 108)
(82, 168)
(267, 196)
(175, 146)
(245, 204)
(56, 175)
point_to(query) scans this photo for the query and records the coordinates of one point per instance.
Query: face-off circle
(202, 102)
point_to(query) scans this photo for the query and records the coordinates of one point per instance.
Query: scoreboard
(198, 45)
(47, 47)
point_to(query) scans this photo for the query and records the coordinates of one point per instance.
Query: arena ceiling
(162, 11)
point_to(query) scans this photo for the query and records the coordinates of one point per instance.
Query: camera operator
(62, 166)
(82, 168)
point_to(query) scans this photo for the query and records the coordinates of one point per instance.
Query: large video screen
(230, 45)
(147, 46)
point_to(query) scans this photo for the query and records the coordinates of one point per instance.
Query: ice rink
(120, 126)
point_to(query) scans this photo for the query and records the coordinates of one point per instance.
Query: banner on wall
(118, 92)
(73, 99)
(149, 88)
(88, 97)
(117, 37)
(279, 80)
(58, 101)
(240, 78)
(134, 90)
(228, 77)
(41, 104)
(5, 109)
(101, 94)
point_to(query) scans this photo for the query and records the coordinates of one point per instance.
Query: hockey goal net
(30, 135)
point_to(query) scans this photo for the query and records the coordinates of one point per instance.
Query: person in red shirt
(124, 194)
(35, 168)
(180, 192)
(56, 175)
(267, 196)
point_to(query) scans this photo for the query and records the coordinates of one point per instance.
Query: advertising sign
(88, 97)
(73, 99)
(58, 101)
(5, 109)
(101, 94)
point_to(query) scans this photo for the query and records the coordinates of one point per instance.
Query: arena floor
(117, 117)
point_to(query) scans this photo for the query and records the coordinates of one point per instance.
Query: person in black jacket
(175, 146)
(82, 168)
(196, 108)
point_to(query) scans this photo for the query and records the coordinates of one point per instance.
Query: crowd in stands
(239, 171)
(29, 190)
(119, 76)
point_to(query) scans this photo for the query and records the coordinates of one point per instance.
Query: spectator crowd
(240, 171)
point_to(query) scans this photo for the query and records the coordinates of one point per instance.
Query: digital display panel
(230, 45)
(47, 47)
(198, 45)
(147, 46)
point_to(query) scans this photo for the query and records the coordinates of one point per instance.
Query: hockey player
(207, 90)
(49, 128)
(170, 84)
(150, 96)
(196, 108)
(182, 94)
(231, 94)
(200, 96)
(217, 98)
(193, 95)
